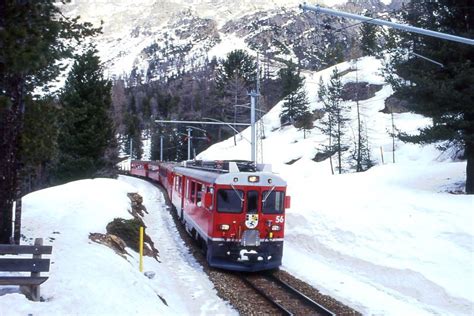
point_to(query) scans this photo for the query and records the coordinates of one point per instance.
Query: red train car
(235, 210)
(166, 176)
(154, 171)
(139, 168)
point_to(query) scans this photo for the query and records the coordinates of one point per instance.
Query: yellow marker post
(141, 249)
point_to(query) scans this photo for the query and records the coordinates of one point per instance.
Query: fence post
(141, 249)
(35, 289)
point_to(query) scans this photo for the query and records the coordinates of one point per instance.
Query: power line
(402, 27)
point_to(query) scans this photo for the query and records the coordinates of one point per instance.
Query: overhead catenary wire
(402, 27)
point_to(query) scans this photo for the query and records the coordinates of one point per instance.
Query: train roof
(230, 172)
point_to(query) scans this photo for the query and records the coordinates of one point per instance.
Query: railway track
(232, 287)
(287, 299)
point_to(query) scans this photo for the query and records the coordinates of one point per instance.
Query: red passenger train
(235, 210)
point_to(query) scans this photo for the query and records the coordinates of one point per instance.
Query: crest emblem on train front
(251, 220)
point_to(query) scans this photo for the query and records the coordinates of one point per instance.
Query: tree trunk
(11, 122)
(17, 230)
(470, 168)
(359, 136)
(8, 174)
(339, 146)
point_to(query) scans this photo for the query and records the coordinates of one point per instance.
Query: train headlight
(254, 178)
(224, 227)
(276, 228)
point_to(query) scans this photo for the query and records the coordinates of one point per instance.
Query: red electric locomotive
(236, 210)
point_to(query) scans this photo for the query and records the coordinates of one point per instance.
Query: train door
(251, 234)
(177, 194)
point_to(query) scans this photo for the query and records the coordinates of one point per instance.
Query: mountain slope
(164, 37)
(393, 240)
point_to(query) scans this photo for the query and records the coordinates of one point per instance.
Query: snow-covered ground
(87, 278)
(389, 241)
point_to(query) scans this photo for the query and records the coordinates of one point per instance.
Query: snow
(87, 278)
(131, 26)
(389, 241)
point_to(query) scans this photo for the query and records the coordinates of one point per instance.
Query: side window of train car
(192, 197)
(229, 201)
(199, 193)
(188, 189)
(273, 202)
(180, 187)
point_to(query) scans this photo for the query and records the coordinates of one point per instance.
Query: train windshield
(274, 202)
(229, 201)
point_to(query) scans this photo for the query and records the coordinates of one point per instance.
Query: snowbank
(389, 241)
(87, 278)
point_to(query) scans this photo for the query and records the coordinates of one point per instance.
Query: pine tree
(86, 132)
(445, 93)
(39, 148)
(133, 132)
(360, 152)
(235, 76)
(305, 122)
(155, 145)
(119, 103)
(332, 55)
(238, 63)
(295, 105)
(368, 41)
(335, 119)
(327, 121)
(34, 37)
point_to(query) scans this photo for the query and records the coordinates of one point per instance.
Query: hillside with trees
(49, 137)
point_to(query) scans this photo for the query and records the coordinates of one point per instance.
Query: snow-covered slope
(87, 278)
(377, 123)
(158, 38)
(393, 240)
(389, 241)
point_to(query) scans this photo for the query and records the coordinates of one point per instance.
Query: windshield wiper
(237, 192)
(267, 195)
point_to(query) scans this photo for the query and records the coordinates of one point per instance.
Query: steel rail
(321, 309)
(267, 297)
(308, 302)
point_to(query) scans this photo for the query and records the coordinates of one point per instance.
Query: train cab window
(229, 201)
(252, 202)
(273, 202)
